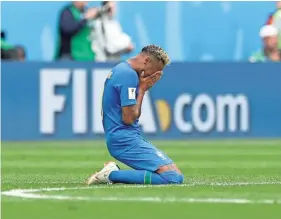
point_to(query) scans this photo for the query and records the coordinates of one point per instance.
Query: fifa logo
(187, 113)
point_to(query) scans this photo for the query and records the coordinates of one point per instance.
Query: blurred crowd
(270, 35)
(91, 34)
(84, 34)
(94, 34)
(11, 52)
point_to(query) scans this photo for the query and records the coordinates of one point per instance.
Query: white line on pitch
(22, 194)
(30, 193)
(118, 186)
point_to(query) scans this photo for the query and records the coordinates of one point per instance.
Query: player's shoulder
(124, 70)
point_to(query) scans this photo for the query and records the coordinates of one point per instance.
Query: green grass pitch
(223, 180)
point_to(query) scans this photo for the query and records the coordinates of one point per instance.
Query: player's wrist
(141, 90)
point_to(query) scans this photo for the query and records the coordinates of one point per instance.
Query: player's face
(151, 66)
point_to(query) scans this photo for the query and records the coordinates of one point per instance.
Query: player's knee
(172, 177)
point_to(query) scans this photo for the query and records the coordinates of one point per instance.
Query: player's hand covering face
(150, 66)
(148, 82)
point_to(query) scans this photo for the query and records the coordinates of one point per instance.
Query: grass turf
(235, 170)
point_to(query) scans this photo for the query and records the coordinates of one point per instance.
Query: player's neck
(133, 63)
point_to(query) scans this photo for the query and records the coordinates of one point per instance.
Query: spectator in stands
(109, 40)
(275, 20)
(21, 54)
(7, 52)
(74, 33)
(10, 52)
(270, 51)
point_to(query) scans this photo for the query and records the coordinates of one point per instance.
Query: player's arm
(131, 112)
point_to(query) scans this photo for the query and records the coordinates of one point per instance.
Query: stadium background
(217, 115)
(193, 31)
(230, 34)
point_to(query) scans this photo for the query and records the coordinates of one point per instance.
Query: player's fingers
(156, 78)
(156, 74)
(151, 81)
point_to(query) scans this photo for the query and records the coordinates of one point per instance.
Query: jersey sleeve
(128, 89)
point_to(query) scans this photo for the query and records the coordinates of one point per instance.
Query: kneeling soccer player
(124, 90)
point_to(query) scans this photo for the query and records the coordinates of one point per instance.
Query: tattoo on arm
(129, 114)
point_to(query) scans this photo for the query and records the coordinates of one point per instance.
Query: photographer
(109, 41)
(74, 32)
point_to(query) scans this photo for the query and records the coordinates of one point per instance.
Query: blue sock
(136, 177)
(172, 177)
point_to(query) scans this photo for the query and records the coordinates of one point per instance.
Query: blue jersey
(120, 90)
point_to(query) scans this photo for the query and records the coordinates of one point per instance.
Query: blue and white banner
(205, 100)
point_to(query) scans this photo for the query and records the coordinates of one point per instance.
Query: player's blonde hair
(158, 53)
